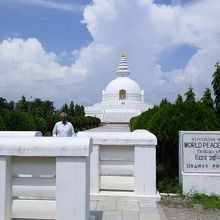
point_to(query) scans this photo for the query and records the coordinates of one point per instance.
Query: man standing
(63, 128)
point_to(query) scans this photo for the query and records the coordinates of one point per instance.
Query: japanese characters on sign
(201, 152)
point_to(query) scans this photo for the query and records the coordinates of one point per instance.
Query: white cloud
(145, 29)
(141, 28)
(26, 68)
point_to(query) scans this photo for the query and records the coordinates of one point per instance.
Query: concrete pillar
(72, 188)
(145, 170)
(95, 169)
(5, 188)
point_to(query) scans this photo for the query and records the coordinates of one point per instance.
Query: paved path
(110, 128)
(112, 209)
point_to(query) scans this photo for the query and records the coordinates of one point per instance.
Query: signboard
(200, 152)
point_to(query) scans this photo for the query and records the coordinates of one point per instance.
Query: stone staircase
(118, 117)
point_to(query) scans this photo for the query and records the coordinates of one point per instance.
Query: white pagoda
(121, 100)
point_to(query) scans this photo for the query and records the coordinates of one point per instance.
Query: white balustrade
(20, 134)
(44, 178)
(123, 161)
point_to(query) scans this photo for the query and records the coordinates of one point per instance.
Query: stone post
(145, 170)
(72, 195)
(95, 169)
(5, 188)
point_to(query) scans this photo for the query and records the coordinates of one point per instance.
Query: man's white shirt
(63, 130)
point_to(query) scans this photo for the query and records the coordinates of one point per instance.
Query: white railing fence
(20, 134)
(123, 161)
(44, 178)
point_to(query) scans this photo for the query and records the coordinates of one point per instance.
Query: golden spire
(123, 54)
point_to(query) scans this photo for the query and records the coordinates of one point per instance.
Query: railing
(44, 178)
(20, 134)
(123, 161)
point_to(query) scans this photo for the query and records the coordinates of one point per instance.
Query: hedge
(20, 121)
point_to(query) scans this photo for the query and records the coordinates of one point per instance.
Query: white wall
(199, 161)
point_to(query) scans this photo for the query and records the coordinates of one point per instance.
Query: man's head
(63, 117)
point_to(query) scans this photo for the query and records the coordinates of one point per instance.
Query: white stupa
(121, 100)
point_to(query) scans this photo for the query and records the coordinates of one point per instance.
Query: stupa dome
(123, 83)
(121, 100)
(122, 88)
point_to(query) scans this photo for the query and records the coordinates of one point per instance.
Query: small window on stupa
(122, 94)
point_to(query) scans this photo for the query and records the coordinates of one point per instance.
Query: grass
(172, 185)
(169, 186)
(212, 201)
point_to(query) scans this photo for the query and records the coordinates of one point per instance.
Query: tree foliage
(6, 106)
(41, 115)
(40, 108)
(207, 98)
(19, 121)
(190, 95)
(164, 102)
(73, 110)
(22, 105)
(179, 99)
(216, 87)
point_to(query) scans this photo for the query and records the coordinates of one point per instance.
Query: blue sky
(58, 30)
(173, 2)
(176, 57)
(69, 50)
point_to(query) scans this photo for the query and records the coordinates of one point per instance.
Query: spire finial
(122, 70)
(123, 54)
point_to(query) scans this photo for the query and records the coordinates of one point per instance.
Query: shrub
(142, 120)
(2, 125)
(169, 186)
(93, 121)
(78, 122)
(51, 121)
(19, 121)
(89, 122)
(96, 121)
(41, 124)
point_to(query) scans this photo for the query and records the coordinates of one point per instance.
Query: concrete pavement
(114, 209)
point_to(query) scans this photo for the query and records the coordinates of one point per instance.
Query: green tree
(179, 99)
(190, 95)
(19, 121)
(142, 120)
(40, 108)
(22, 105)
(41, 124)
(65, 108)
(72, 109)
(11, 105)
(77, 110)
(164, 102)
(207, 98)
(5, 106)
(36, 108)
(216, 87)
(48, 108)
(2, 124)
(82, 111)
(51, 121)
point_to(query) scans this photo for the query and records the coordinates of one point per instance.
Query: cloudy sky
(65, 50)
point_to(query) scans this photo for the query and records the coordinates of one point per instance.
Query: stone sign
(199, 161)
(201, 152)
